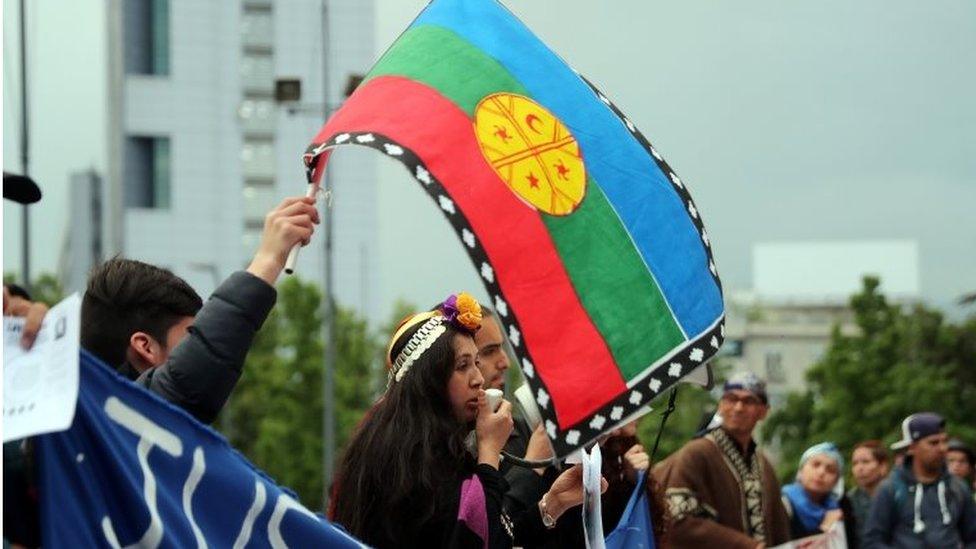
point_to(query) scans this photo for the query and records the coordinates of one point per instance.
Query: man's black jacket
(203, 369)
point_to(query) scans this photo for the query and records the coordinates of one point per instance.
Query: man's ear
(144, 352)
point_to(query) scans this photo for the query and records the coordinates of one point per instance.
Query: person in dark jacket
(921, 504)
(869, 467)
(152, 326)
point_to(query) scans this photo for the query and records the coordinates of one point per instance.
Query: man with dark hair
(921, 504)
(133, 313)
(150, 324)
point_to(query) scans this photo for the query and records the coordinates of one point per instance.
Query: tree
(901, 361)
(275, 414)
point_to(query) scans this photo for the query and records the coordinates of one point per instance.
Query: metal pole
(328, 388)
(24, 148)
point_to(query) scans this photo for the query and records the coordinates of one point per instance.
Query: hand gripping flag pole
(313, 190)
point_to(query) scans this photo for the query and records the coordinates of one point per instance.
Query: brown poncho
(722, 498)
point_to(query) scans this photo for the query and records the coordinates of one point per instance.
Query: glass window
(257, 28)
(774, 367)
(258, 201)
(257, 115)
(147, 171)
(257, 72)
(146, 36)
(257, 158)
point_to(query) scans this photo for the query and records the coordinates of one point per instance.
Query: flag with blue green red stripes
(590, 246)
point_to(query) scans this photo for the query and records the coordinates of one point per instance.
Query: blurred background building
(801, 291)
(210, 106)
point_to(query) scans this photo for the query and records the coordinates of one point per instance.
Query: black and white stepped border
(640, 393)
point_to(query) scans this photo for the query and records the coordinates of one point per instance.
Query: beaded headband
(461, 310)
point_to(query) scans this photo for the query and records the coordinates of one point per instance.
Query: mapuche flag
(592, 251)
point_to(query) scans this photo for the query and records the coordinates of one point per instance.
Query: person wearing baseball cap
(921, 504)
(721, 489)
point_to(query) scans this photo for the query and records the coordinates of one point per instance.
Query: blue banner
(135, 470)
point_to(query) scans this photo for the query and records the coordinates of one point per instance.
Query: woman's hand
(635, 461)
(830, 518)
(493, 430)
(539, 447)
(567, 491)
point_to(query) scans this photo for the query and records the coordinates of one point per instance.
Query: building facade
(201, 147)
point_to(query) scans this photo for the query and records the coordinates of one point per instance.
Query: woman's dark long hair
(408, 446)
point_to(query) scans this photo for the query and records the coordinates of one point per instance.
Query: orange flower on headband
(464, 310)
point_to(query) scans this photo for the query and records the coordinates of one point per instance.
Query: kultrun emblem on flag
(532, 151)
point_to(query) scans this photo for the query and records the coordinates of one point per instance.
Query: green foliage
(900, 362)
(275, 414)
(45, 289)
(692, 405)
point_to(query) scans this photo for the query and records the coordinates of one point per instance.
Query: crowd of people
(413, 476)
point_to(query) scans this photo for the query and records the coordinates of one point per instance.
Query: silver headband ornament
(418, 344)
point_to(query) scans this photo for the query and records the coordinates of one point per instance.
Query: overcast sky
(788, 121)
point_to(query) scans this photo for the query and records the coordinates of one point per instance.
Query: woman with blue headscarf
(813, 501)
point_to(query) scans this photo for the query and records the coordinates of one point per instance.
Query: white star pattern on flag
(674, 370)
(598, 422)
(342, 138)
(366, 138)
(527, 368)
(655, 385)
(423, 175)
(542, 398)
(697, 354)
(636, 397)
(676, 180)
(617, 413)
(550, 429)
(692, 210)
(487, 272)
(572, 437)
(514, 335)
(714, 342)
(446, 204)
(393, 150)
(468, 238)
(500, 306)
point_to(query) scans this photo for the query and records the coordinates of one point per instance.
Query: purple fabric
(473, 510)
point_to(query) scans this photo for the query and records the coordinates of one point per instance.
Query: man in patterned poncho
(721, 489)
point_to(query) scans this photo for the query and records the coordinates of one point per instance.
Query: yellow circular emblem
(532, 151)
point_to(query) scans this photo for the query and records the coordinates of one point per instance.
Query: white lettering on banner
(252, 514)
(196, 473)
(150, 435)
(274, 525)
